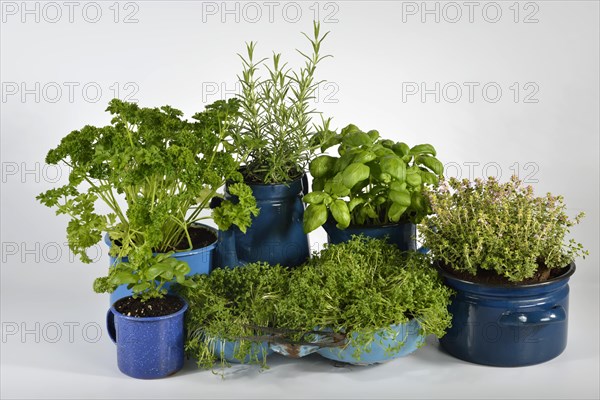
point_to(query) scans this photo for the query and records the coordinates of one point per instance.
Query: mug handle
(110, 326)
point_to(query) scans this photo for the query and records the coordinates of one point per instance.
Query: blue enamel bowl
(385, 346)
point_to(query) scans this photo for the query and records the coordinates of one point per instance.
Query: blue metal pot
(148, 348)
(402, 235)
(199, 260)
(508, 325)
(276, 235)
(405, 339)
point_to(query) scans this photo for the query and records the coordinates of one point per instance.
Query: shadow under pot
(403, 235)
(148, 347)
(276, 235)
(200, 259)
(508, 325)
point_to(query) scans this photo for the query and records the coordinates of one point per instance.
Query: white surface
(171, 54)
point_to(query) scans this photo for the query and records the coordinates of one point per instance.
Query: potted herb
(374, 187)
(504, 251)
(229, 309)
(381, 300)
(155, 173)
(166, 170)
(148, 327)
(278, 137)
(332, 304)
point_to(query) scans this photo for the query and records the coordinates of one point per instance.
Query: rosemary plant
(277, 110)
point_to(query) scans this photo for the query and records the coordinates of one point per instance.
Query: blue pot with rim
(276, 235)
(402, 235)
(508, 325)
(148, 347)
(200, 261)
(399, 341)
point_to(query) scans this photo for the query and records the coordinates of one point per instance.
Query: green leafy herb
(277, 132)
(362, 286)
(504, 228)
(227, 305)
(156, 172)
(372, 182)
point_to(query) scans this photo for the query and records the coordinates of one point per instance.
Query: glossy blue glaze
(226, 349)
(507, 325)
(199, 260)
(276, 235)
(402, 235)
(405, 340)
(148, 348)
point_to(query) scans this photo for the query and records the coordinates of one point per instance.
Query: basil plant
(374, 181)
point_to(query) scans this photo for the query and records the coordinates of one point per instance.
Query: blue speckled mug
(150, 347)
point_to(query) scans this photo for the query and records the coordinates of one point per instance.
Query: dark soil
(150, 308)
(490, 277)
(201, 237)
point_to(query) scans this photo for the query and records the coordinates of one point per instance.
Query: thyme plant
(503, 228)
(277, 110)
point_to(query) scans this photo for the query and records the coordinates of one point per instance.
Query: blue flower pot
(148, 348)
(402, 235)
(405, 339)
(276, 235)
(508, 325)
(224, 349)
(199, 260)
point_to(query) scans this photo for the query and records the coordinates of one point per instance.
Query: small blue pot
(276, 235)
(406, 339)
(199, 260)
(148, 348)
(402, 235)
(508, 325)
(224, 349)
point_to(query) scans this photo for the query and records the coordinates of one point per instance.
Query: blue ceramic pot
(508, 325)
(199, 260)
(148, 348)
(405, 339)
(402, 235)
(276, 235)
(226, 350)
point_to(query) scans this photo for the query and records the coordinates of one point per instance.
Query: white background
(178, 52)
